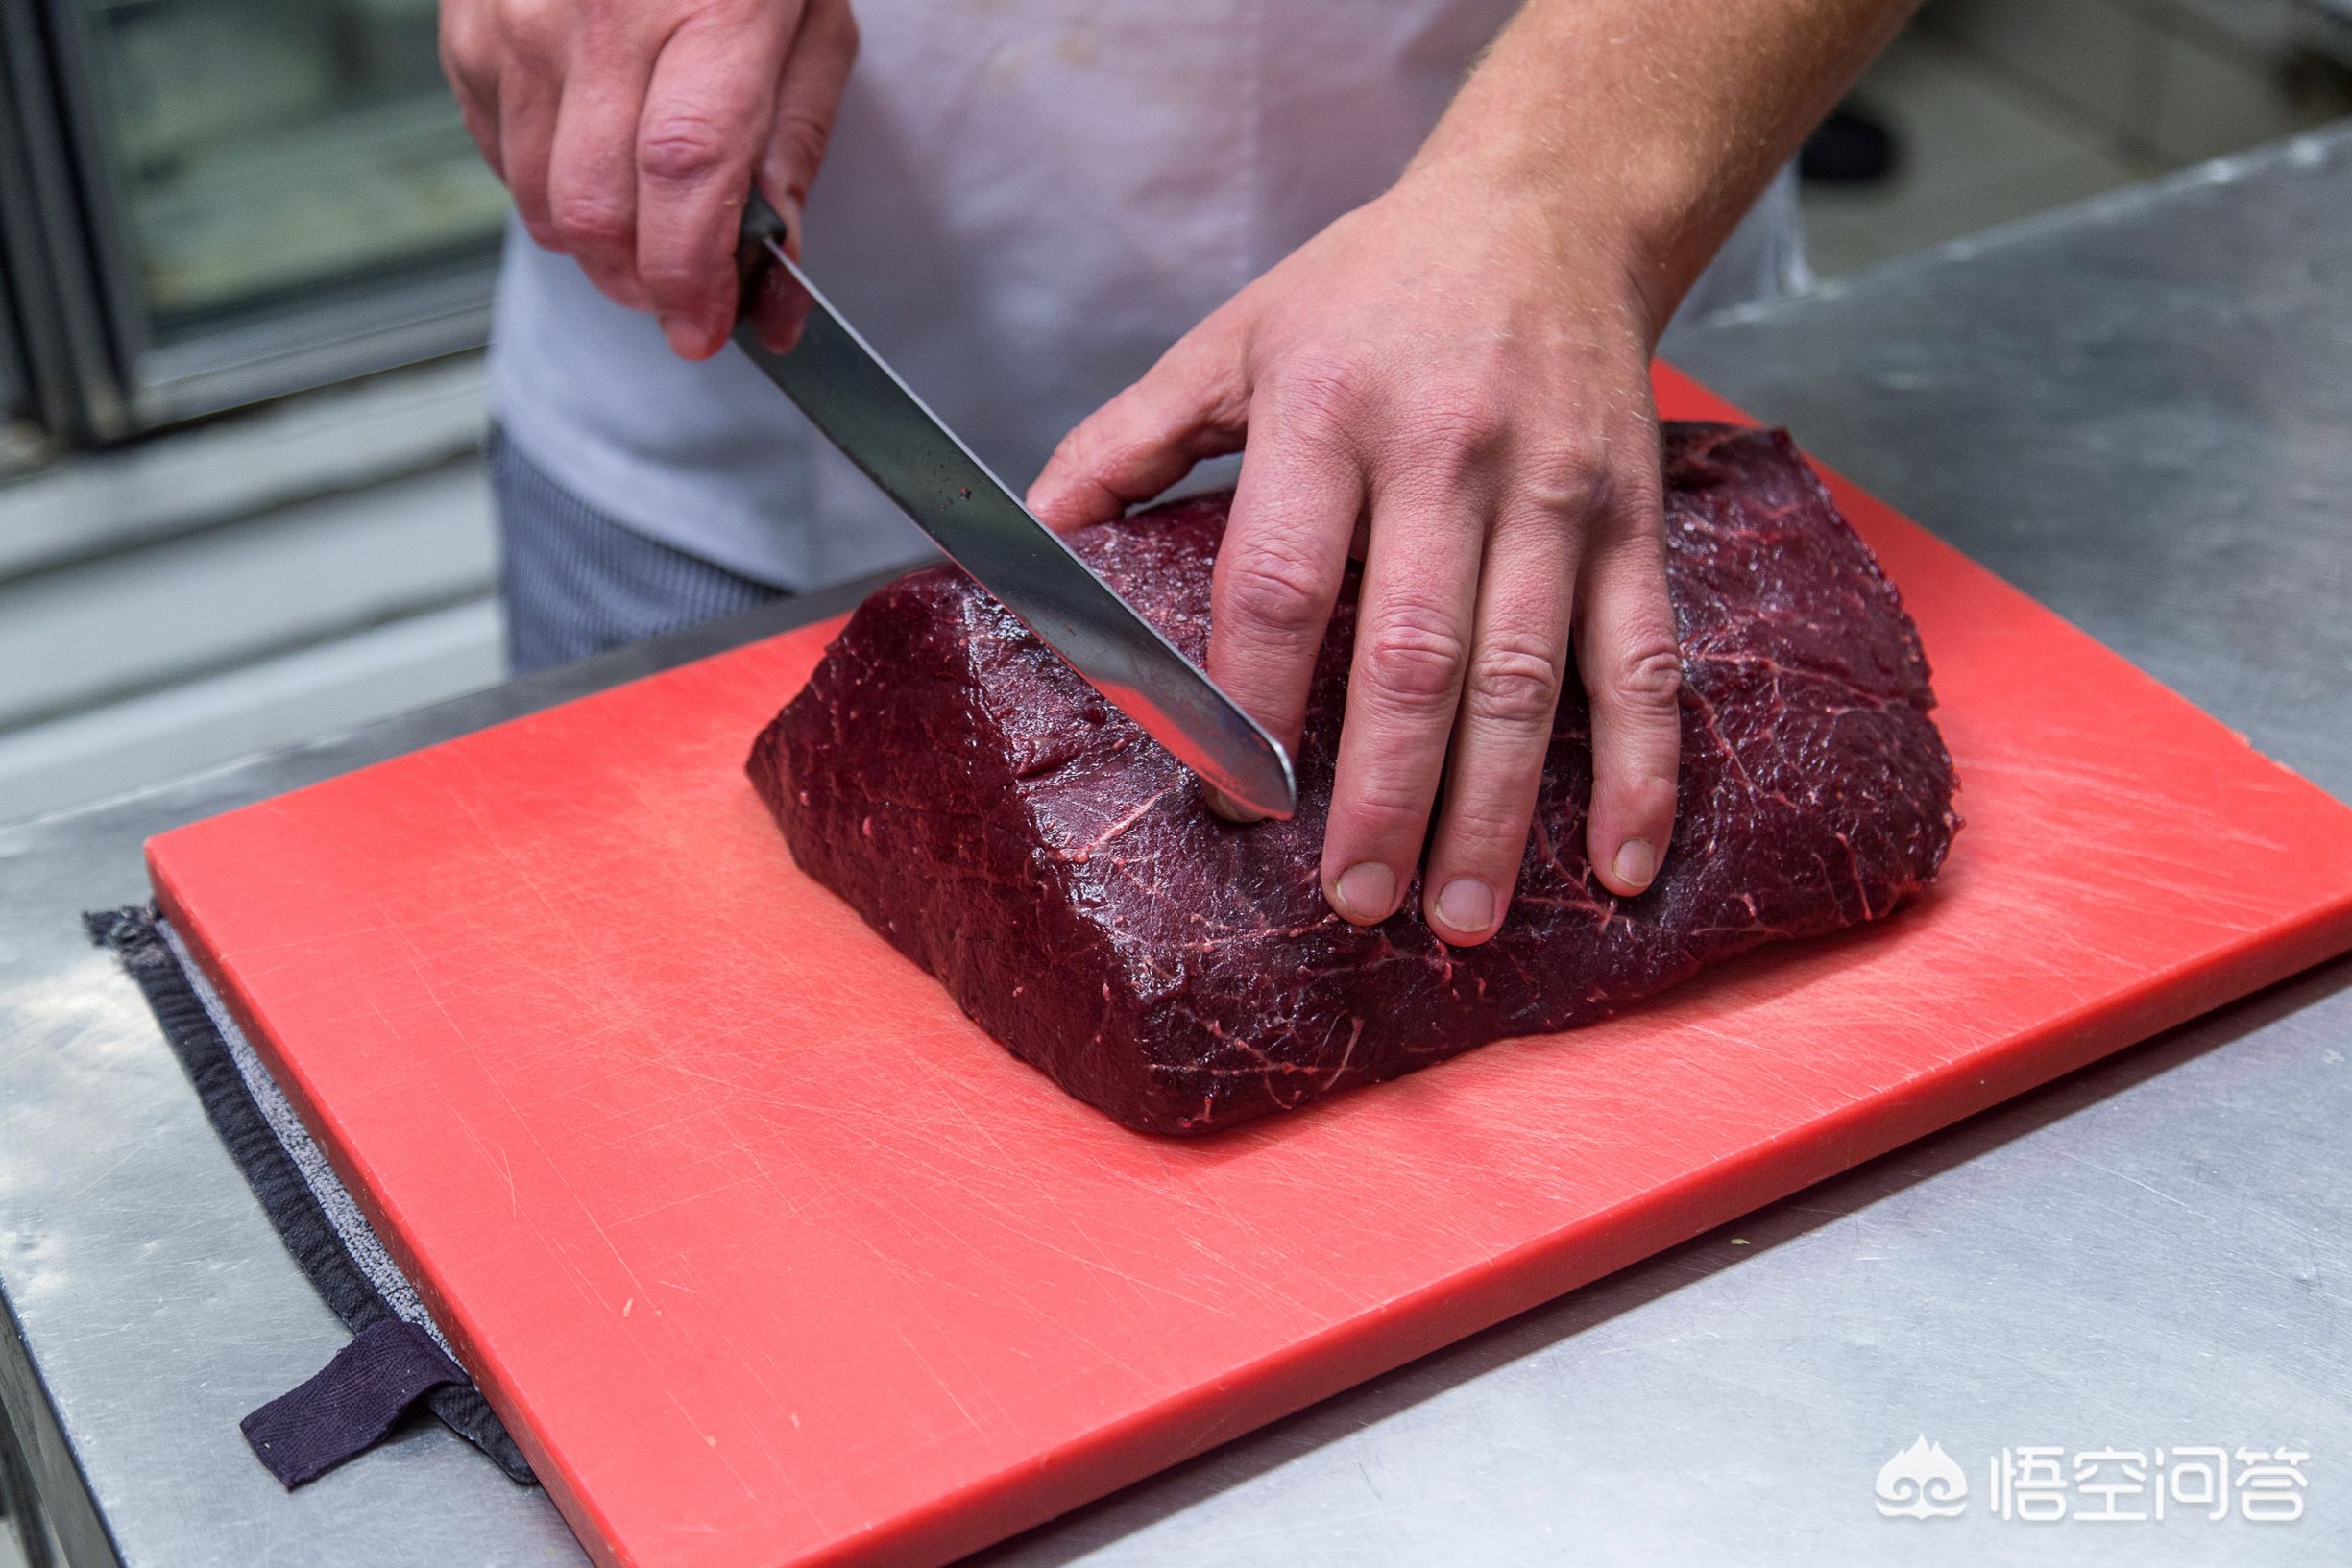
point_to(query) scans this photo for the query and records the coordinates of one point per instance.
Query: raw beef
(1007, 830)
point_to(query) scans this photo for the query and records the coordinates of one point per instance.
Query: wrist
(1595, 239)
(1641, 129)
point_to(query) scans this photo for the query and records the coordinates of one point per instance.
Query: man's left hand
(1453, 381)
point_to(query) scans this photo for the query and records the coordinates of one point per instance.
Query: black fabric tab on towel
(293, 1209)
(347, 1409)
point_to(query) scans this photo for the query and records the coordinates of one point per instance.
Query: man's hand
(1474, 380)
(629, 131)
(1453, 379)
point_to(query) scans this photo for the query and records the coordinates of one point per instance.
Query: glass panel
(273, 149)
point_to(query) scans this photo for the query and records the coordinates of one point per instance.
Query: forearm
(1651, 125)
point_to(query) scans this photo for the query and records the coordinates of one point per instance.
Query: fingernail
(685, 338)
(1466, 904)
(1637, 862)
(1366, 892)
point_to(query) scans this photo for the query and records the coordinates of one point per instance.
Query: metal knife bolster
(878, 423)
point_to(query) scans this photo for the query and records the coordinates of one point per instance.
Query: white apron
(1026, 202)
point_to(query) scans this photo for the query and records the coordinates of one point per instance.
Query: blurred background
(246, 252)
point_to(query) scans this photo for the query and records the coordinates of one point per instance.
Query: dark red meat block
(1011, 832)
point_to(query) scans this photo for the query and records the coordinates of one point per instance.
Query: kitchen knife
(862, 406)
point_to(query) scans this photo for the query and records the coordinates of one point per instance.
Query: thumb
(1193, 405)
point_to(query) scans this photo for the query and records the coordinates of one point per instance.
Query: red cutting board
(769, 1257)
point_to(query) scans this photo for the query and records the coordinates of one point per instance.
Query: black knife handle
(762, 223)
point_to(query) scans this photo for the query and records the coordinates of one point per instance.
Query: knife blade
(859, 403)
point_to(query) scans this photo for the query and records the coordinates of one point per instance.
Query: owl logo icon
(1922, 1481)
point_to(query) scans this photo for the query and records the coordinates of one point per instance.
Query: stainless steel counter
(2140, 411)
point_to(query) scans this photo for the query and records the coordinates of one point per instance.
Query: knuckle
(684, 148)
(1632, 509)
(1457, 429)
(1575, 484)
(1414, 661)
(800, 142)
(1200, 381)
(534, 29)
(1320, 392)
(673, 284)
(1512, 683)
(461, 48)
(1276, 591)
(1082, 450)
(1069, 452)
(471, 58)
(1647, 676)
(592, 223)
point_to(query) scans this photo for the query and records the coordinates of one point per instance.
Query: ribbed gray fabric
(576, 582)
(285, 1123)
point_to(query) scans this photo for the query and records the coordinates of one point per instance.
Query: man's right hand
(628, 131)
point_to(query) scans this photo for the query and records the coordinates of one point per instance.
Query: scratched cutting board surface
(769, 1257)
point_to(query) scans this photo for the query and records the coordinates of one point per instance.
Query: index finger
(1280, 565)
(1414, 622)
(707, 111)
